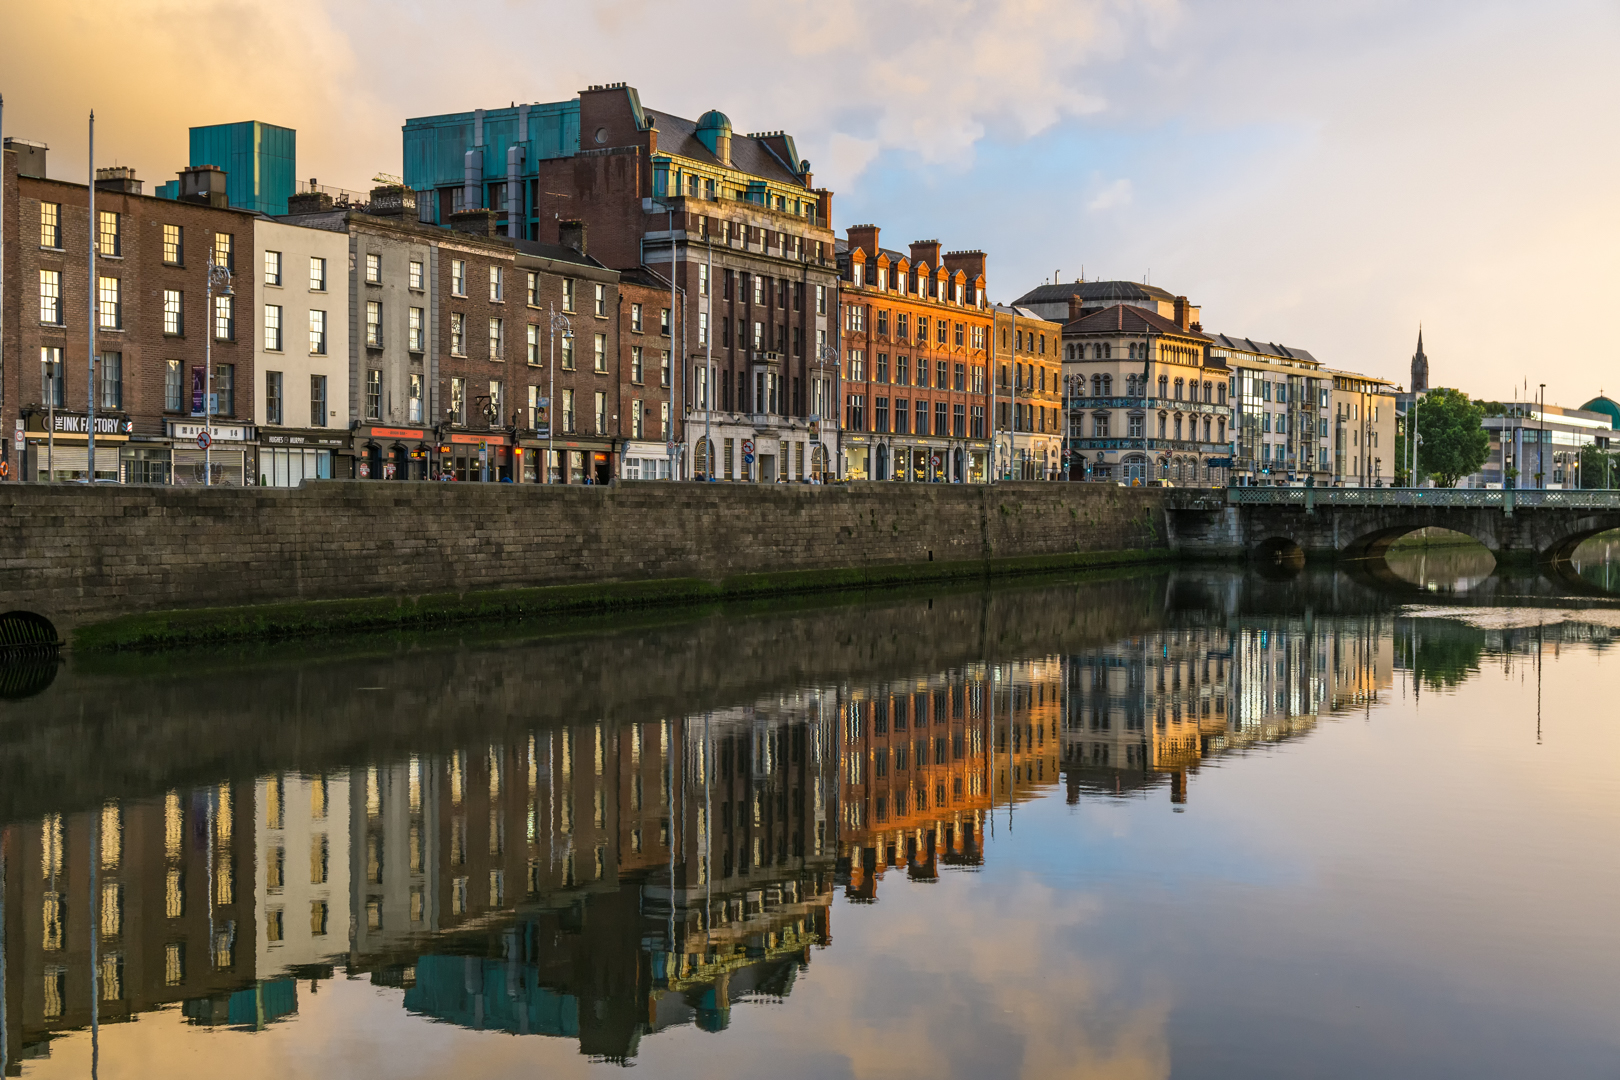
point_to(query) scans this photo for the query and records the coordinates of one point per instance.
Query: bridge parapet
(1470, 497)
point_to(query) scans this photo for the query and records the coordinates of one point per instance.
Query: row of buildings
(600, 881)
(585, 290)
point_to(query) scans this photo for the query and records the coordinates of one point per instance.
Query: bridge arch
(1376, 542)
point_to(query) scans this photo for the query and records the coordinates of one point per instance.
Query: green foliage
(1451, 444)
(1446, 653)
(1599, 468)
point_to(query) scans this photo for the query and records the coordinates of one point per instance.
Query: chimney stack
(1075, 306)
(571, 234)
(477, 222)
(203, 184)
(392, 200)
(1183, 313)
(30, 157)
(864, 237)
(118, 178)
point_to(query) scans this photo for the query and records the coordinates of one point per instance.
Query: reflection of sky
(1415, 889)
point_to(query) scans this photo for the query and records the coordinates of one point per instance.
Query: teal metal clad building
(260, 162)
(436, 152)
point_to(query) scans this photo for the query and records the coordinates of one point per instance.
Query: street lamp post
(559, 323)
(829, 356)
(219, 283)
(1541, 437)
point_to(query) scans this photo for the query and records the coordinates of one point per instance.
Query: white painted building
(301, 351)
(301, 882)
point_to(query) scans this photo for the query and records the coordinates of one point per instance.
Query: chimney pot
(571, 234)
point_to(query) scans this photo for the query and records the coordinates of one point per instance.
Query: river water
(1191, 823)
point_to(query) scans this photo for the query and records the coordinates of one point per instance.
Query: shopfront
(646, 461)
(228, 459)
(478, 458)
(288, 458)
(57, 446)
(387, 453)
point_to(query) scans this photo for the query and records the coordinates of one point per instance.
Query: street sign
(748, 449)
(748, 459)
(204, 440)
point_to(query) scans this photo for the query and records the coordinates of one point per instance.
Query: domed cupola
(1606, 406)
(714, 132)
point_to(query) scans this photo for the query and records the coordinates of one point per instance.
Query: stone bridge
(1361, 523)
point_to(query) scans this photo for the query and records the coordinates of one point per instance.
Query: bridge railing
(1364, 496)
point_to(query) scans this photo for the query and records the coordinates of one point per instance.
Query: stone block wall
(78, 555)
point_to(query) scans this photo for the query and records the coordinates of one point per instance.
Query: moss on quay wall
(196, 626)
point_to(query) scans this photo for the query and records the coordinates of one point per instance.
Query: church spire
(1420, 367)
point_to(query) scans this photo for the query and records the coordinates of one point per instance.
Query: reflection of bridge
(1359, 523)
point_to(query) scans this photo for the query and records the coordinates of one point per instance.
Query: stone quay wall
(81, 555)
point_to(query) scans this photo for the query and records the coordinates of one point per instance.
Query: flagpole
(90, 416)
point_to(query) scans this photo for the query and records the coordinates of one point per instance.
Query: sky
(1327, 175)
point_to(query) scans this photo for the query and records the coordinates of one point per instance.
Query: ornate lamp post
(559, 324)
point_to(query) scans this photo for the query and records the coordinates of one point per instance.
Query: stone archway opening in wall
(1436, 560)
(880, 460)
(1279, 555)
(957, 464)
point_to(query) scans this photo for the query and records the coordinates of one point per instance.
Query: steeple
(1420, 367)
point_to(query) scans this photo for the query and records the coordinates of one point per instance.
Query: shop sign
(221, 432)
(66, 423)
(396, 433)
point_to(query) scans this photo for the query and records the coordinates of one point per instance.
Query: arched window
(1180, 383)
(1220, 394)
(1209, 391)
(1163, 422)
(1108, 351)
(1164, 387)
(1178, 427)
(1108, 386)
(1096, 386)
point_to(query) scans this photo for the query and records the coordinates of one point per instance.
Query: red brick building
(153, 327)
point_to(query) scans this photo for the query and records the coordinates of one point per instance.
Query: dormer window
(882, 279)
(859, 272)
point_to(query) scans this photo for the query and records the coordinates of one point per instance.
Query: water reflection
(538, 838)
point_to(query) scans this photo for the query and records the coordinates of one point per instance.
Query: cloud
(1113, 195)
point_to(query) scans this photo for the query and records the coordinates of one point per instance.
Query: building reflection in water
(603, 880)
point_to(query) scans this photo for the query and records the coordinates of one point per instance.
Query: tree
(1599, 469)
(1452, 443)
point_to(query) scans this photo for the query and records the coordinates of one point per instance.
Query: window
(759, 335)
(174, 323)
(225, 389)
(109, 234)
(959, 331)
(50, 225)
(943, 371)
(922, 418)
(568, 352)
(317, 274)
(225, 250)
(417, 275)
(978, 421)
(458, 400)
(272, 327)
(857, 365)
(415, 399)
(635, 317)
(317, 333)
(272, 397)
(940, 330)
(272, 262)
(533, 345)
(601, 301)
(373, 269)
(458, 334)
(50, 374)
(703, 279)
(599, 361)
(663, 321)
(174, 248)
(568, 411)
(1099, 425)
(635, 418)
(960, 374)
(173, 394)
(50, 297)
(821, 299)
(458, 277)
(703, 328)
(495, 339)
(317, 401)
(110, 303)
(940, 418)
(959, 421)
(663, 420)
(374, 394)
(111, 378)
(497, 284)
(568, 294)
(374, 323)
(418, 329)
(880, 373)
(663, 369)
(635, 364)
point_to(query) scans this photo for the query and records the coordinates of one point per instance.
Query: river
(1199, 822)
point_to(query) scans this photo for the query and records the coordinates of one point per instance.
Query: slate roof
(1264, 348)
(1104, 292)
(1127, 319)
(677, 135)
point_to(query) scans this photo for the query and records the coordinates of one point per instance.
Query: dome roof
(715, 120)
(1607, 406)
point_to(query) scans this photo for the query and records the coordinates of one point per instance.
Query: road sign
(748, 459)
(748, 449)
(204, 440)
